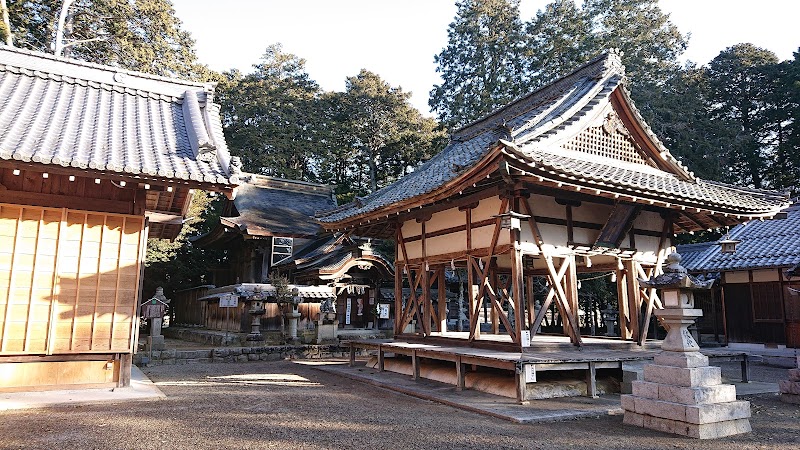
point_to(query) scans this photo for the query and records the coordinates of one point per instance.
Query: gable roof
(270, 206)
(330, 256)
(541, 138)
(73, 114)
(763, 244)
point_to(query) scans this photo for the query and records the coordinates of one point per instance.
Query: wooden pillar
(426, 303)
(461, 369)
(475, 328)
(622, 304)
(572, 293)
(125, 365)
(414, 365)
(522, 385)
(442, 288)
(517, 281)
(493, 313)
(634, 299)
(398, 285)
(591, 380)
(380, 358)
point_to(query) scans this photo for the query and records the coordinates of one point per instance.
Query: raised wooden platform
(546, 353)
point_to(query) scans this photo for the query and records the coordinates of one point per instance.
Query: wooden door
(791, 300)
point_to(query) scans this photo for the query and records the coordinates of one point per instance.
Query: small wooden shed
(567, 179)
(93, 161)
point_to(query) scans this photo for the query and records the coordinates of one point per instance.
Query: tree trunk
(373, 170)
(8, 38)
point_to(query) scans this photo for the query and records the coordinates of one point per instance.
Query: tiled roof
(64, 112)
(531, 131)
(331, 252)
(767, 244)
(270, 206)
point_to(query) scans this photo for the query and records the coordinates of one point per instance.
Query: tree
(482, 67)
(270, 116)
(738, 93)
(650, 43)
(5, 26)
(142, 35)
(559, 38)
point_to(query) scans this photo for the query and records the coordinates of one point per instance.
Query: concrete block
(645, 389)
(657, 408)
(794, 374)
(679, 376)
(628, 403)
(790, 398)
(697, 395)
(719, 412)
(681, 359)
(789, 387)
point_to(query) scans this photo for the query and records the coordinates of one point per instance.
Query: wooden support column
(414, 365)
(461, 369)
(622, 304)
(427, 303)
(530, 300)
(522, 385)
(380, 358)
(493, 313)
(591, 380)
(634, 299)
(474, 329)
(125, 365)
(442, 288)
(571, 282)
(517, 281)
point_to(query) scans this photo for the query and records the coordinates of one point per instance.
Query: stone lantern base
(682, 394)
(790, 389)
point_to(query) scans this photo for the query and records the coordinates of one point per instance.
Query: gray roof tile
(87, 116)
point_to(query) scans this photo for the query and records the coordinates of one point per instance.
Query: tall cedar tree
(142, 35)
(483, 65)
(270, 116)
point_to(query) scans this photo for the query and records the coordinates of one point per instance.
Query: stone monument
(790, 389)
(154, 309)
(328, 324)
(681, 393)
(293, 314)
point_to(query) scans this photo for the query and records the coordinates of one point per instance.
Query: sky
(397, 39)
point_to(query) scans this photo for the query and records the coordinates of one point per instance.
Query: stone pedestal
(156, 343)
(326, 331)
(790, 389)
(681, 393)
(293, 317)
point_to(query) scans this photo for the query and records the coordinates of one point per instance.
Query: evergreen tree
(142, 35)
(559, 39)
(739, 85)
(483, 66)
(270, 115)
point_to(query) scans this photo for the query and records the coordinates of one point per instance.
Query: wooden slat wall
(68, 280)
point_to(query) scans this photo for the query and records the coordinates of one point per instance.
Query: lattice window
(767, 302)
(281, 249)
(613, 144)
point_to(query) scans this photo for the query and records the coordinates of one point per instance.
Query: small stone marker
(790, 389)
(681, 393)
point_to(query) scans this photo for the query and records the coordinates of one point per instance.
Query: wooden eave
(472, 185)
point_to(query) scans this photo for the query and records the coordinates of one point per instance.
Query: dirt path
(281, 405)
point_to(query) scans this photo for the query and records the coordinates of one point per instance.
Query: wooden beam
(442, 325)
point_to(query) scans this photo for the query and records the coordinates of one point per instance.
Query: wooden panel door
(791, 300)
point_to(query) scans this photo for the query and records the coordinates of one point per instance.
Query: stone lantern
(727, 245)
(293, 314)
(256, 301)
(681, 393)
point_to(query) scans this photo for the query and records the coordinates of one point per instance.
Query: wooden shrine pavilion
(93, 161)
(567, 179)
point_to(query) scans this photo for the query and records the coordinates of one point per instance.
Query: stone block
(680, 376)
(252, 356)
(719, 412)
(168, 354)
(657, 408)
(645, 389)
(699, 431)
(631, 418)
(794, 374)
(789, 387)
(628, 403)
(790, 398)
(681, 359)
(697, 395)
(241, 358)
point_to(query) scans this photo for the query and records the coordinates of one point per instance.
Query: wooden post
(125, 365)
(380, 358)
(460, 375)
(493, 313)
(622, 304)
(634, 299)
(352, 355)
(529, 297)
(522, 385)
(399, 312)
(442, 325)
(517, 281)
(572, 292)
(474, 329)
(414, 365)
(427, 303)
(591, 380)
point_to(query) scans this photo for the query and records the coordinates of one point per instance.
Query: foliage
(270, 116)
(177, 264)
(482, 67)
(142, 35)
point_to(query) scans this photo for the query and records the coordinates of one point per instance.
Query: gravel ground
(282, 405)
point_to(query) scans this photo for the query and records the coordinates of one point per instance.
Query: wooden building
(270, 226)
(567, 179)
(93, 161)
(753, 303)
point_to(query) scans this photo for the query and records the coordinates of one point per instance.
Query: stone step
(685, 395)
(683, 376)
(681, 359)
(697, 414)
